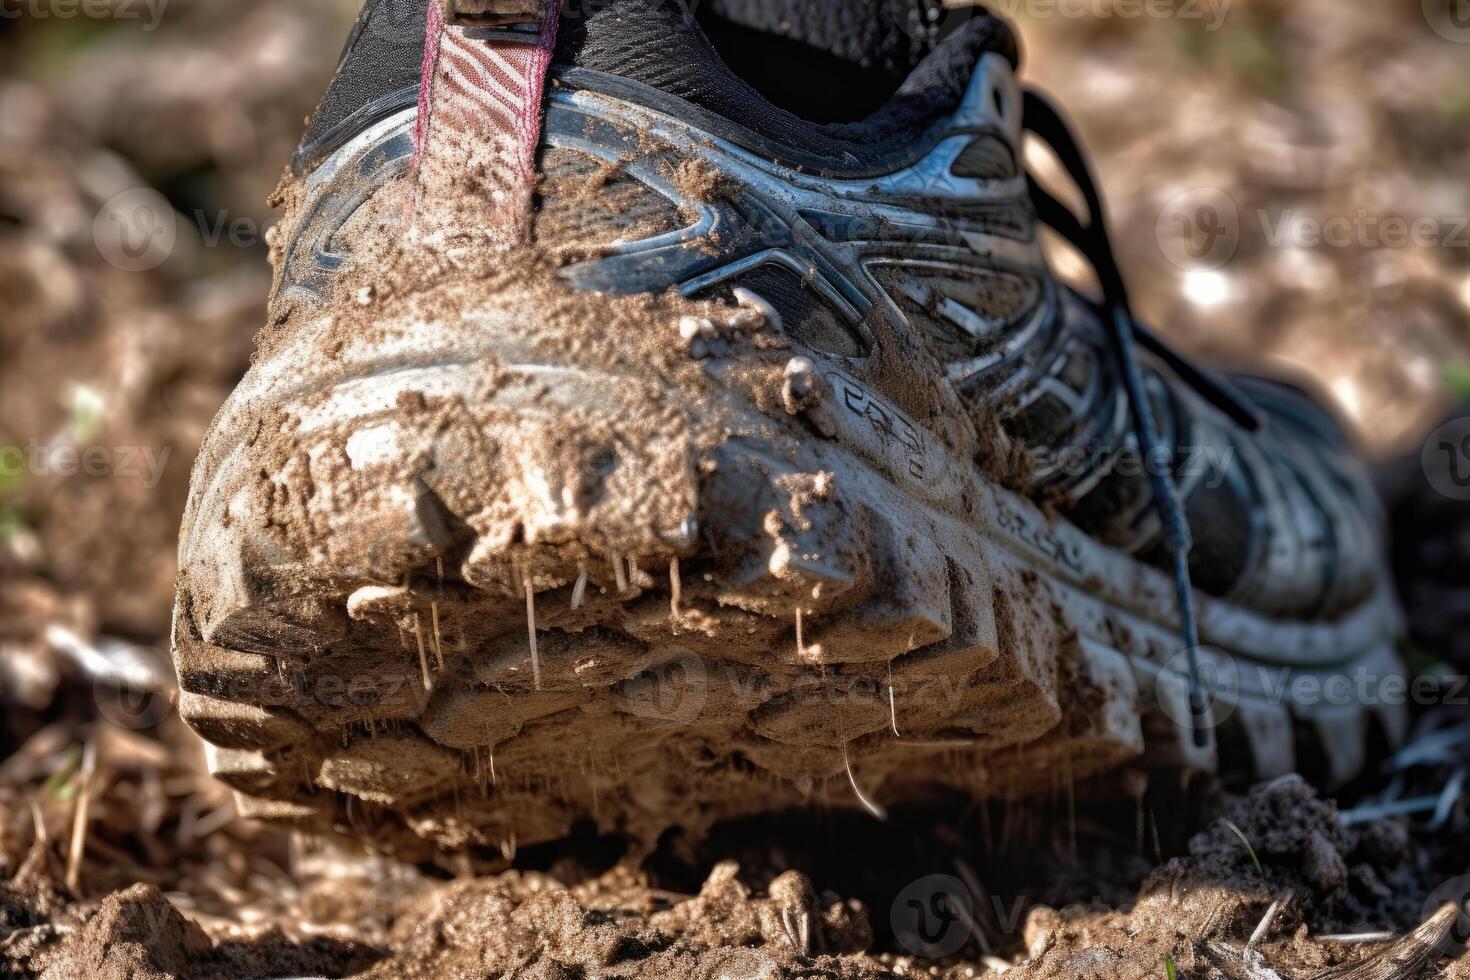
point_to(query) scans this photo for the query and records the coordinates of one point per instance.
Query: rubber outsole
(445, 618)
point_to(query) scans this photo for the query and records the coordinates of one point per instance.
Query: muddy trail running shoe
(665, 417)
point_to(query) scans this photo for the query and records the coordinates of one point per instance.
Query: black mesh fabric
(659, 44)
(847, 79)
(987, 158)
(378, 74)
(585, 206)
(891, 36)
(805, 317)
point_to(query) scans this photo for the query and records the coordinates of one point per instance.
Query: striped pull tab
(480, 118)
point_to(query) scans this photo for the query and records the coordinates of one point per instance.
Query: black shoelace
(1126, 335)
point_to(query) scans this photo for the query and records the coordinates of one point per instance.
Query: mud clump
(1280, 857)
(762, 918)
(215, 98)
(137, 934)
(1340, 877)
(532, 925)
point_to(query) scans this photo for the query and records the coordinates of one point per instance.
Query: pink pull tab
(479, 124)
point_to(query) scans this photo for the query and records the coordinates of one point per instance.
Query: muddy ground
(124, 859)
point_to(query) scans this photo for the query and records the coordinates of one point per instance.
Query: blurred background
(1288, 183)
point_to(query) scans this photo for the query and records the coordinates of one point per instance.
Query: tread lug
(233, 725)
(389, 769)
